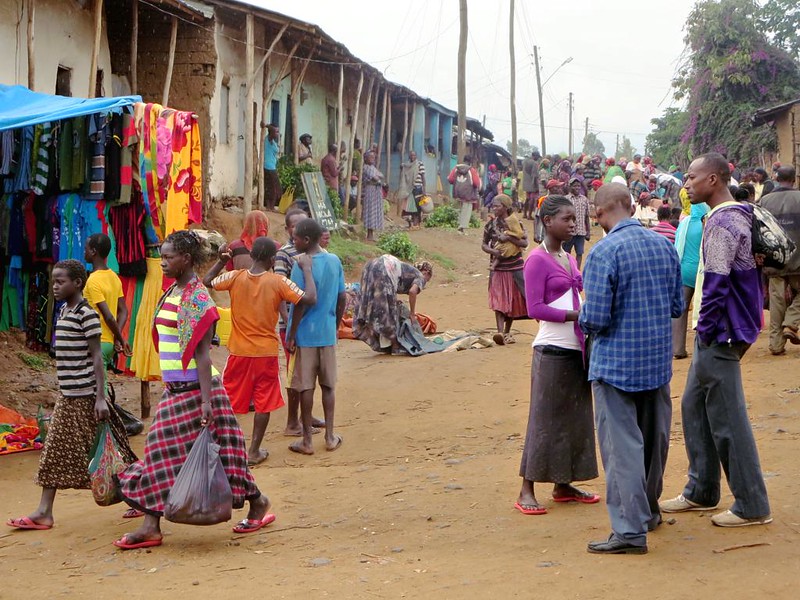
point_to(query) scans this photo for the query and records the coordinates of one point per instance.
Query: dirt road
(418, 502)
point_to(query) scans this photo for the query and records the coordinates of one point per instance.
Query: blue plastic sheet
(19, 106)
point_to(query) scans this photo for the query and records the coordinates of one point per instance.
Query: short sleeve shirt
(74, 366)
(104, 286)
(254, 309)
(317, 328)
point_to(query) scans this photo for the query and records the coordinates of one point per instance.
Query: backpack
(463, 188)
(770, 239)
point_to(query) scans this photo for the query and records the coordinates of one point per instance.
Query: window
(63, 81)
(224, 112)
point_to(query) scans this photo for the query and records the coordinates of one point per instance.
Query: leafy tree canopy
(524, 147)
(664, 142)
(592, 145)
(625, 148)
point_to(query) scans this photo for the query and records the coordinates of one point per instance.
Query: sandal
(578, 496)
(509, 339)
(530, 509)
(253, 525)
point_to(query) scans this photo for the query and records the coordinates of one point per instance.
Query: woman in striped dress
(194, 398)
(372, 209)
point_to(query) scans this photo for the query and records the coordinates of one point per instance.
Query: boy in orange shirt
(251, 372)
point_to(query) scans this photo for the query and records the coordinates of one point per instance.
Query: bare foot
(299, 431)
(252, 461)
(259, 508)
(301, 448)
(315, 422)
(334, 443)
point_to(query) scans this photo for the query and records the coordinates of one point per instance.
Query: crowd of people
(602, 355)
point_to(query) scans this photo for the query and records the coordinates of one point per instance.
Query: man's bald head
(613, 195)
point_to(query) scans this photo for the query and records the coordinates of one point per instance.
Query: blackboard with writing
(318, 200)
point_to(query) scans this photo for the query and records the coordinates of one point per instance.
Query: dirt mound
(27, 379)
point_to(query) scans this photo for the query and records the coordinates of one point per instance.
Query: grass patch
(37, 363)
(352, 253)
(443, 261)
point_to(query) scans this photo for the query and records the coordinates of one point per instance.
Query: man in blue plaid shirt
(632, 281)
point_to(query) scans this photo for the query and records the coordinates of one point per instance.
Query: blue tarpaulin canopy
(19, 106)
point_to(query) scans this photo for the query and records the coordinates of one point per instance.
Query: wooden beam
(31, 4)
(383, 125)
(364, 140)
(296, 85)
(282, 72)
(173, 40)
(265, 111)
(134, 46)
(405, 134)
(340, 111)
(353, 127)
(98, 31)
(248, 115)
(144, 393)
(411, 129)
(388, 145)
(267, 54)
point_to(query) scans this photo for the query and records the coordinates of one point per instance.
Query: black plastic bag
(201, 494)
(133, 425)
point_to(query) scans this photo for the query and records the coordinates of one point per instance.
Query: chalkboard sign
(318, 200)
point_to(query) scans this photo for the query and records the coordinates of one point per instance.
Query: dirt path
(418, 501)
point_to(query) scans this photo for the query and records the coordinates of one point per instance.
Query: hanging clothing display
(145, 364)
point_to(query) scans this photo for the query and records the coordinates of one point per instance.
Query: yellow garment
(686, 204)
(104, 286)
(512, 229)
(185, 172)
(144, 362)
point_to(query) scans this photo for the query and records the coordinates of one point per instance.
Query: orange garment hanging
(144, 362)
(184, 195)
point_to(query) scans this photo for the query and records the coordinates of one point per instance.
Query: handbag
(770, 239)
(106, 463)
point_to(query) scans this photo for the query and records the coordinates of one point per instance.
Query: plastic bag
(133, 425)
(201, 494)
(105, 464)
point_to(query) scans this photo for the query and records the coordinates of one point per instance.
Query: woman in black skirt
(559, 444)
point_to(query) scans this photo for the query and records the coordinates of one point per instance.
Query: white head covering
(621, 179)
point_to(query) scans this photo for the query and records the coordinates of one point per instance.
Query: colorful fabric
(256, 224)
(253, 378)
(146, 116)
(19, 438)
(104, 286)
(196, 312)
(666, 229)
(64, 463)
(318, 326)
(41, 158)
(184, 171)
(98, 137)
(145, 484)
(372, 200)
(633, 289)
(144, 362)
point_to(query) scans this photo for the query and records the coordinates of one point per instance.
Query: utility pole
(462, 80)
(616, 151)
(586, 131)
(539, 89)
(570, 124)
(513, 88)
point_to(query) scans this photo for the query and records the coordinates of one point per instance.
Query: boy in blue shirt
(312, 339)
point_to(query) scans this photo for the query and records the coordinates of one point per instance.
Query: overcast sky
(624, 56)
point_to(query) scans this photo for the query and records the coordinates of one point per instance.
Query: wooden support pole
(134, 46)
(282, 71)
(263, 132)
(513, 88)
(353, 127)
(31, 56)
(251, 80)
(249, 146)
(173, 40)
(98, 31)
(462, 80)
(144, 393)
(296, 89)
(411, 129)
(388, 145)
(403, 148)
(383, 127)
(364, 138)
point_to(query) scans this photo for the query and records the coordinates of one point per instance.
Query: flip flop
(337, 445)
(27, 523)
(584, 498)
(250, 525)
(530, 511)
(124, 545)
(132, 513)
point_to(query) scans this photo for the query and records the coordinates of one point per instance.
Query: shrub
(398, 244)
(289, 174)
(446, 216)
(336, 203)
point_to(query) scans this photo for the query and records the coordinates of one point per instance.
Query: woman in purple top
(559, 444)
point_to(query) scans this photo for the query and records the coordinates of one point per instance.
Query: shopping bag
(133, 425)
(201, 494)
(105, 464)
(286, 200)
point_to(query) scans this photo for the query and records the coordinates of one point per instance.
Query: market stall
(72, 167)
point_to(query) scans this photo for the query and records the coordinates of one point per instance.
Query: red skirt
(146, 483)
(505, 295)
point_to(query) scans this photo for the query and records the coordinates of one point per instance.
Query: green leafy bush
(336, 203)
(290, 174)
(398, 244)
(446, 216)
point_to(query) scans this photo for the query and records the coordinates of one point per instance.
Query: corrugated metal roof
(766, 114)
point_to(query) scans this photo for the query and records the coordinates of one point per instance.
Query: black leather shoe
(612, 546)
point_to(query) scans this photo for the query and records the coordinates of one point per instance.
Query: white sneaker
(682, 504)
(728, 519)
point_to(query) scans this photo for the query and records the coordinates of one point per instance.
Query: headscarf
(424, 265)
(196, 314)
(553, 183)
(596, 184)
(696, 213)
(256, 224)
(610, 161)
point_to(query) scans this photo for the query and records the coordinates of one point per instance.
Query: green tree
(625, 149)
(731, 70)
(524, 148)
(664, 143)
(781, 19)
(592, 145)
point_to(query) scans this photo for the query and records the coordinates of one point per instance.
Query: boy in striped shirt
(664, 227)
